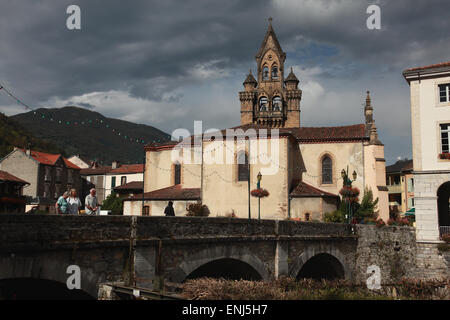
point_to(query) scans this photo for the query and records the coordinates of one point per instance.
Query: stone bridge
(136, 250)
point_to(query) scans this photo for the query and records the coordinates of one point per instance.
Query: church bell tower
(272, 100)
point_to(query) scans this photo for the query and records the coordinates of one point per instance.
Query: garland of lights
(42, 116)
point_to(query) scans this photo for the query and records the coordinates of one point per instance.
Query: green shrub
(334, 217)
(197, 210)
(113, 203)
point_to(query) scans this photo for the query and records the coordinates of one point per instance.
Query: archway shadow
(227, 268)
(322, 266)
(39, 289)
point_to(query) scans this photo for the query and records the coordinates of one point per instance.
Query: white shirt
(74, 205)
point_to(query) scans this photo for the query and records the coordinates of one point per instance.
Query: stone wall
(136, 249)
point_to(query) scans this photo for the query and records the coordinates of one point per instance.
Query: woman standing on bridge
(74, 202)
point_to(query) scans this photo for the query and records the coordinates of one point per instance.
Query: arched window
(243, 168)
(327, 170)
(274, 72)
(266, 73)
(177, 173)
(263, 104)
(277, 104)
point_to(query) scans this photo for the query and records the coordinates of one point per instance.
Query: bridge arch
(321, 262)
(32, 289)
(205, 261)
(48, 270)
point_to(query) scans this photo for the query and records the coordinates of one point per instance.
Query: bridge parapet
(52, 231)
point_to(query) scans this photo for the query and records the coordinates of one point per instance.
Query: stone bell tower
(272, 100)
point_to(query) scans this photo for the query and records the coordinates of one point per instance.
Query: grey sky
(168, 63)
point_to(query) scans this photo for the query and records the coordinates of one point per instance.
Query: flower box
(444, 156)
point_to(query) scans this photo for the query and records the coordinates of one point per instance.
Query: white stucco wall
(427, 115)
(130, 178)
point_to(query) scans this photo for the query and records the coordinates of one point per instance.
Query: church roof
(170, 193)
(329, 134)
(270, 32)
(304, 135)
(304, 190)
(291, 77)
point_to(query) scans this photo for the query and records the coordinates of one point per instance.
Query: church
(300, 167)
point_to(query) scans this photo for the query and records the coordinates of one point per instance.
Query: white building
(120, 175)
(430, 118)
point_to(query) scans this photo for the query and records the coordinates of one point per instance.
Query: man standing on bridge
(91, 203)
(168, 211)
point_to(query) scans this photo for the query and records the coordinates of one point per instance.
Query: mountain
(12, 134)
(90, 134)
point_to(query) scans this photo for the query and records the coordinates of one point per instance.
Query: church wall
(375, 173)
(316, 207)
(223, 193)
(134, 208)
(342, 155)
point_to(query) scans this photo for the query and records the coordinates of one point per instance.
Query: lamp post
(348, 183)
(258, 186)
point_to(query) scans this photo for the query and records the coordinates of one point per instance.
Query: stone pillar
(281, 259)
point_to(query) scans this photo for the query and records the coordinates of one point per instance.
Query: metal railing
(443, 230)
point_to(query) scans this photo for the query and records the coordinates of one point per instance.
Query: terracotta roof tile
(432, 66)
(304, 190)
(171, 193)
(134, 185)
(6, 176)
(128, 168)
(95, 171)
(50, 159)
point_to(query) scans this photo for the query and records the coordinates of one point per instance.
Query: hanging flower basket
(259, 193)
(444, 156)
(350, 194)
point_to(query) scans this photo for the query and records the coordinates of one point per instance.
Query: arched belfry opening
(443, 197)
(227, 268)
(322, 267)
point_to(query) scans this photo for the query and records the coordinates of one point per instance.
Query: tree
(113, 203)
(368, 207)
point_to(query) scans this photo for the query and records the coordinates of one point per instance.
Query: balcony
(395, 188)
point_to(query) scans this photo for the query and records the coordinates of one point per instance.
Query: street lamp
(347, 183)
(258, 186)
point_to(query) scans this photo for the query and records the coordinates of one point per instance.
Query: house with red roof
(11, 193)
(48, 175)
(106, 179)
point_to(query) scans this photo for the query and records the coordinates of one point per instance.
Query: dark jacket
(169, 212)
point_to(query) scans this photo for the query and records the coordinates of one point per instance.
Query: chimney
(28, 150)
(115, 164)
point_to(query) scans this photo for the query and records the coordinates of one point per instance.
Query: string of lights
(78, 123)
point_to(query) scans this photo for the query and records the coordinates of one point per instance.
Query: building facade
(300, 166)
(430, 120)
(49, 175)
(400, 183)
(11, 193)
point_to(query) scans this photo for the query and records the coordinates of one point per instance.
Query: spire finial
(368, 99)
(270, 20)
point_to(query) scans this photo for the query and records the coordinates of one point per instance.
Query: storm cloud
(168, 63)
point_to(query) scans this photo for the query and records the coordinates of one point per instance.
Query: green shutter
(113, 182)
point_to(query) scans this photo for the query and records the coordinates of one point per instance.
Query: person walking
(74, 202)
(168, 211)
(91, 203)
(62, 207)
